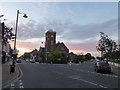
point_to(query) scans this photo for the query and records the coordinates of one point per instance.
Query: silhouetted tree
(6, 36)
(88, 56)
(106, 45)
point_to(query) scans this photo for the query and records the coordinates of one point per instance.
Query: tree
(88, 56)
(26, 56)
(56, 57)
(6, 36)
(7, 33)
(80, 58)
(106, 45)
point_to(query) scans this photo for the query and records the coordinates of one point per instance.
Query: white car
(26, 60)
(32, 61)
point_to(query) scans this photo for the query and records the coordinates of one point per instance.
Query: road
(36, 75)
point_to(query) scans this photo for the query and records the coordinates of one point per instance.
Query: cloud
(84, 47)
(79, 32)
(67, 30)
(26, 45)
(75, 35)
(62, 18)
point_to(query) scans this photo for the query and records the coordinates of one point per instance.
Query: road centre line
(78, 78)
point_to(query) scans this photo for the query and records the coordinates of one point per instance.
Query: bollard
(12, 68)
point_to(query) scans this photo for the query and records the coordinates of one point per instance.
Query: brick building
(50, 45)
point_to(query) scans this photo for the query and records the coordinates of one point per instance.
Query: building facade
(50, 43)
(4, 46)
(0, 42)
(50, 46)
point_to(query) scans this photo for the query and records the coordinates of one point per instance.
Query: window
(52, 36)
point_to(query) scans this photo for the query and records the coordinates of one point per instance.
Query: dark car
(102, 67)
(18, 61)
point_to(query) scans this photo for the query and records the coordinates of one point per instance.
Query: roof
(51, 31)
(58, 45)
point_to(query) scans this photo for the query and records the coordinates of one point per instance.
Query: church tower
(50, 43)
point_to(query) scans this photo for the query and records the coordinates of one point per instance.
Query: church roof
(51, 30)
(58, 45)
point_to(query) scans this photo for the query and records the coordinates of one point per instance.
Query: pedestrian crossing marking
(12, 85)
(20, 83)
(21, 87)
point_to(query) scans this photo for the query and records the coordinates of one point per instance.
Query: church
(51, 45)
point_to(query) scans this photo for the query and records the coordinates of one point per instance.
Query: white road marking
(102, 86)
(88, 82)
(21, 83)
(21, 87)
(20, 80)
(78, 78)
(12, 85)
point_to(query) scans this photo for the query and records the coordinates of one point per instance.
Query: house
(41, 56)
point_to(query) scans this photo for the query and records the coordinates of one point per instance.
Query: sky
(77, 24)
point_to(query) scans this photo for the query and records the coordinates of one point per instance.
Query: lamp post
(14, 52)
(0, 17)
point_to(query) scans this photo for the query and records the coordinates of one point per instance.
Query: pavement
(115, 70)
(8, 78)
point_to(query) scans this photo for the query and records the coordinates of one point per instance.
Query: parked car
(102, 67)
(18, 61)
(32, 61)
(26, 60)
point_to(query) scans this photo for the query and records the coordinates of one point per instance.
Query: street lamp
(0, 17)
(25, 16)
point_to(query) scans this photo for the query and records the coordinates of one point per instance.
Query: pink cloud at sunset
(78, 48)
(85, 47)
(25, 46)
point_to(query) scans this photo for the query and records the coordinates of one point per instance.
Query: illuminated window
(52, 36)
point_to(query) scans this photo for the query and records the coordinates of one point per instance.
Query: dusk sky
(77, 24)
